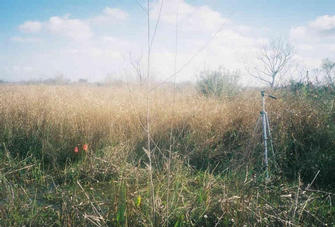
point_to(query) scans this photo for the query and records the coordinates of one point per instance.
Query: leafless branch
(273, 59)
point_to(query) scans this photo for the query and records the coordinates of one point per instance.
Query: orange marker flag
(85, 147)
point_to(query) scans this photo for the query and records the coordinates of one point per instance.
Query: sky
(99, 39)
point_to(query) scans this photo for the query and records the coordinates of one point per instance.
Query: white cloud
(204, 35)
(314, 40)
(31, 26)
(85, 53)
(116, 13)
(324, 23)
(75, 29)
(25, 39)
(72, 28)
(297, 33)
(103, 48)
(109, 16)
(321, 28)
(16, 72)
(190, 18)
(99, 45)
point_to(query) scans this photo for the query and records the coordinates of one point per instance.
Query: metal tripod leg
(270, 137)
(265, 137)
(266, 132)
(269, 132)
(264, 120)
(257, 123)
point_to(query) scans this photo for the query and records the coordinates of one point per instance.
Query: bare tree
(273, 61)
(136, 65)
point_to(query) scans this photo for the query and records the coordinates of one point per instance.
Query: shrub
(219, 82)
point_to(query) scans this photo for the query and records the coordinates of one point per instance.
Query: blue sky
(95, 38)
(277, 13)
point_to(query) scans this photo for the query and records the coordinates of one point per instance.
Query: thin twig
(171, 124)
(100, 218)
(309, 185)
(157, 23)
(190, 59)
(148, 150)
(17, 170)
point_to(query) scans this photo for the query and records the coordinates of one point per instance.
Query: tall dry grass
(215, 170)
(59, 118)
(49, 121)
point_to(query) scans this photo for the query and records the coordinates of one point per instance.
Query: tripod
(267, 137)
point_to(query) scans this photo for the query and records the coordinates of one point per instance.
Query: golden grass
(96, 115)
(210, 134)
(55, 119)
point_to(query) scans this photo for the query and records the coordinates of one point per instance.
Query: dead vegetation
(212, 177)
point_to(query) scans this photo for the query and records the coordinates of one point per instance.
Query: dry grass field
(205, 166)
